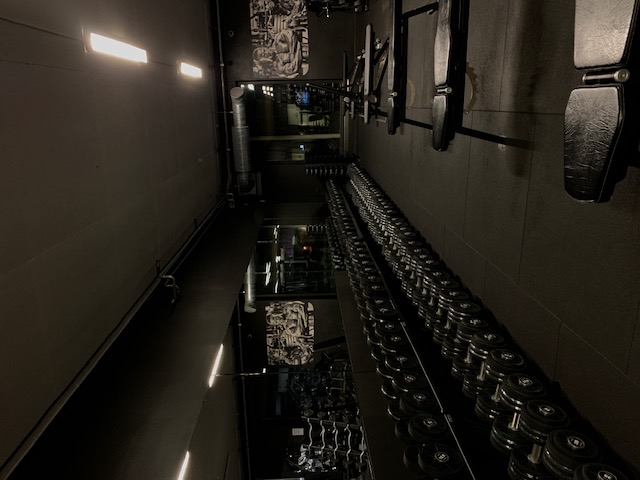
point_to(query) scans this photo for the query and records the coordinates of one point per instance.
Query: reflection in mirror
(293, 259)
(286, 120)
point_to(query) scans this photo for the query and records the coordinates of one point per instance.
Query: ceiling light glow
(115, 48)
(190, 70)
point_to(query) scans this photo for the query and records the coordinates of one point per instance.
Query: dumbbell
(415, 402)
(499, 364)
(515, 391)
(395, 343)
(457, 309)
(466, 328)
(481, 345)
(565, 450)
(539, 418)
(598, 471)
(402, 432)
(404, 361)
(445, 301)
(428, 427)
(428, 279)
(440, 461)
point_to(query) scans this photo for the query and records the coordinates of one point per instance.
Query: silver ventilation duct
(240, 138)
(250, 286)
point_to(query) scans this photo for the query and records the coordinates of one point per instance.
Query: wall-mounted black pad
(449, 67)
(443, 47)
(603, 32)
(442, 132)
(593, 125)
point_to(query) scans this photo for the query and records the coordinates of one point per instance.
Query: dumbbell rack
(385, 450)
(470, 435)
(338, 442)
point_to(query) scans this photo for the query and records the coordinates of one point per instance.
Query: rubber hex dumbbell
(515, 391)
(481, 345)
(499, 364)
(565, 450)
(539, 418)
(598, 471)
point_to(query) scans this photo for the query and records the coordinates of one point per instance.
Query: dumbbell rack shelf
(386, 452)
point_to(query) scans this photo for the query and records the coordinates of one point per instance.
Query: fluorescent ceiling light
(115, 48)
(183, 470)
(190, 70)
(216, 366)
(251, 86)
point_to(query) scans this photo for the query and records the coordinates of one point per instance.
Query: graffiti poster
(290, 333)
(280, 38)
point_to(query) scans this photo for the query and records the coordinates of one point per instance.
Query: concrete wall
(563, 277)
(105, 167)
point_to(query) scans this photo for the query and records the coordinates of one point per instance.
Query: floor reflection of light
(216, 366)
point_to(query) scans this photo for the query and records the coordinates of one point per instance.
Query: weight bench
(601, 119)
(449, 67)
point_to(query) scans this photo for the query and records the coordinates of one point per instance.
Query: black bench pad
(603, 32)
(593, 125)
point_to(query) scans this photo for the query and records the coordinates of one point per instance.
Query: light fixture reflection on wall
(183, 469)
(190, 70)
(115, 48)
(216, 366)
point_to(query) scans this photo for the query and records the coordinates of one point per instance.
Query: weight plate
(560, 470)
(382, 329)
(487, 408)
(393, 410)
(417, 401)
(377, 354)
(570, 449)
(452, 348)
(460, 368)
(384, 371)
(502, 362)
(410, 459)
(521, 468)
(483, 342)
(518, 388)
(395, 342)
(440, 332)
(598, 471)
(503, 438)
(540, 417)
(440, 461)
(389, 390)
(409, 380)
(427, 427)
(401, 362)
(472, 385)
(464, 308)
(402, 432)
(381, 306)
